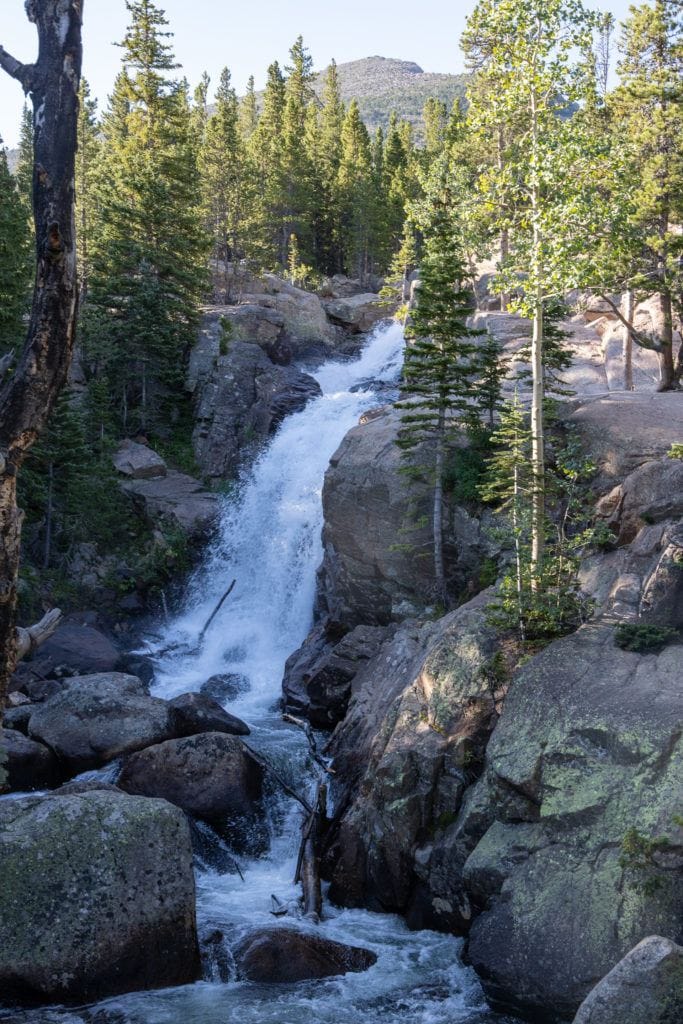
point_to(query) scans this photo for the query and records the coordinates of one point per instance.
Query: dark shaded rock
(209, 775)
(179, 499)
(95, 719)
(211, 850)
(218, 965)
(646, 986)
(138, 461)
(318, 677)
(285, 955)
(587, 750)
(30, 765)
(138, 665)
(97, 897)
(18, 718)
(32, 679)
(224, 688)
(195, 712)
(78, 650)
(411, 743)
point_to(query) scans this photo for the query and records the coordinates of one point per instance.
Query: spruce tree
(298, 158)
(439, 358)
(357, 194)
(86, 183)
(24, 171)
(331, 120)
(266, 152)
(149, 260)
(248, 112)
(15, 260)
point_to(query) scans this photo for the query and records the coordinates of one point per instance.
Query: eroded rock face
(647, 985)
(357, 313)
(318, 677)
(286, 955)
(378, 562)
(97, 897)
(209, 775)
(587, 749)
(240, 398)
(178, 499)
(407, 750)
(94, 719)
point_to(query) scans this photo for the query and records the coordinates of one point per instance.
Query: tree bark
(27, 398)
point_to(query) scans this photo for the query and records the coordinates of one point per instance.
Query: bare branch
(15, 69)
(640, 339)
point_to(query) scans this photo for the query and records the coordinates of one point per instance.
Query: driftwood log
(31, 637)
(308, 862)
(27, 397)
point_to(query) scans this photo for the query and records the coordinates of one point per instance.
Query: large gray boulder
(378, 561)
(196, 712)
(286, 955)
(651, 494)
(210, 776)
(358, 313)
(646, 987)
(76, 648)
(179, 500)
(97, 897)
(29, 765)
(94, 719)
(138, 461)
(583, 771)
(413, 738)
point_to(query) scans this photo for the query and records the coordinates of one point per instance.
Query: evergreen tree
(224, 176)
(86, 183)
(248, 112)
(149, 259)
(298, 158)
(331, 122)
(490, 370)
(435, 117)
(15, 260)
(357, 194)
(24, 171)
(438, 364)
(266, 151)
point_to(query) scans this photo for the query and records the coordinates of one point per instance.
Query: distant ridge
(383, 84)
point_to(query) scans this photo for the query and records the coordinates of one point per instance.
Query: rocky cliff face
(536, 813)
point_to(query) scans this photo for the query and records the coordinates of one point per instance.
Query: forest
(345, 463)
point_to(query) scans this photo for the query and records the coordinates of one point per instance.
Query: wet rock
(76, 648)
(586, 753)
(225, 687)
(210, 850)
(358, 313)
(411, 743)
(30, 765)
(95, 719)
(18, 718)
(285, 955)
(98, 898)
(646, 986)
(195, 712)
(138, 461)
(318, 677)
(210, 776)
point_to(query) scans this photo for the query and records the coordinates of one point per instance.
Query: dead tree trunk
(27, 398)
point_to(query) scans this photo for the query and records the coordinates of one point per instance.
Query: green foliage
(15, 262)
(675, 451)
(644, 638)
(465, 469)
(639, 858)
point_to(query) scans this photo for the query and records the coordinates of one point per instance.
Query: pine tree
(490, 370)
(86, 183)
(149, 267)
(438, 363)
(298, 160)
(435, 117)
(24, 171)
(15, 260)
(331, 121)
(248, 112)
(357, 194)
(266, 152)
(224, 176)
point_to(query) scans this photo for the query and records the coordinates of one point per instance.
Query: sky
(210, 34)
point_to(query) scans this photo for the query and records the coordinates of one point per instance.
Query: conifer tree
(438, 364)
(248, 112)
(331, 120)
(149, 267)
(15, 260)
(86, 183)
(267, 158)
(357, 194)
(298, 160)
(24, 170)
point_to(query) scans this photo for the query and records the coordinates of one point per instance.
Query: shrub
(675, 451)
(642, 637)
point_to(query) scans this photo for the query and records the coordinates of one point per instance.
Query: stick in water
(216, 610)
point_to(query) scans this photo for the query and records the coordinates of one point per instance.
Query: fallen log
(305, 726)
(267, 767)
(31, 637)
(308, 862)
(215, 612)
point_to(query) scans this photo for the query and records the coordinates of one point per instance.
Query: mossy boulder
(587, 755)
(97, 897)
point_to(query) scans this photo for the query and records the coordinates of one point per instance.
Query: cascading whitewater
(270, 542)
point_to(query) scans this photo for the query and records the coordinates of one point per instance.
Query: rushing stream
(270, 543)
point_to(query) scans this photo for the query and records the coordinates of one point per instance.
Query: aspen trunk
(629, 313)
(28, 397)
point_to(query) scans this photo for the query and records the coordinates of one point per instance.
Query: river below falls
(269, 542)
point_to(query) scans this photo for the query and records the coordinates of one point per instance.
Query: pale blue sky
(247, 36)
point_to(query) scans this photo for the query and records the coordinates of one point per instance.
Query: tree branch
(15, 69)
(640, 340)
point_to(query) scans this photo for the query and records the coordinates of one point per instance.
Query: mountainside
(383, 84)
